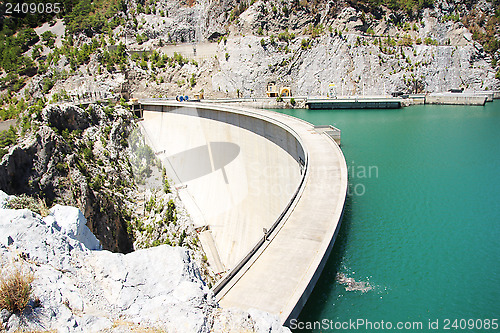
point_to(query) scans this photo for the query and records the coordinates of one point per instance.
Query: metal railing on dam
(278, 274)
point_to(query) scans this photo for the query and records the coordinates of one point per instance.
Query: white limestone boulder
(71, 222)
(159, 284)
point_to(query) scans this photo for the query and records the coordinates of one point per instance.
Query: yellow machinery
(285, 91)
(272, 90)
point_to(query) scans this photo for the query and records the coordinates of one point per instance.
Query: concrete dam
(265, 190)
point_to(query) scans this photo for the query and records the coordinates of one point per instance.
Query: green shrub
(405, 41)
(22, 202)
(390, 41)
(171, 213)
(150, 204)
(271, 40)
(7, 138)
(26, 202)
(180, 59)
(182, 237)
(304, 43)
(314, 30)
(62, 167)
(87, 153)
(430, 41)
(49, 38)
(285, 36)
(97, 183)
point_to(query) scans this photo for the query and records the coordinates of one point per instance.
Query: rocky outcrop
(76, 156)
(33, 155)
(69, 117)
(76, 289)
(96, 159)
(71, 222)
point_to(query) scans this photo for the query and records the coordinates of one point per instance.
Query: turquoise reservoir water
(421, 225)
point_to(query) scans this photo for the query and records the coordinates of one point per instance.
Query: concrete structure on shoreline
(450, 98)
(280, 231)
(353, 103)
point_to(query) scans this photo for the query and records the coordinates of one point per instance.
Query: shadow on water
(326, 283)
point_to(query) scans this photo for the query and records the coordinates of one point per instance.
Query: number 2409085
(32, 8)
(479, 324)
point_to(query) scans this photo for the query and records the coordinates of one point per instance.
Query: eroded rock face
(438, 54)
(76, 289)
(69, 117)
(28, 166)
(75, 156)
(355, 69)
(80, 289)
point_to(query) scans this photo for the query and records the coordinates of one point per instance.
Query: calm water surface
(422, 221)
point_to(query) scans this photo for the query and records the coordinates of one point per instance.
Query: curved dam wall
(236, 173)
(300, 196)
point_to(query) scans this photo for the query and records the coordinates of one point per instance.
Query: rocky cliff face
(79, 289)
(74, 156)
(95, 158)
(357, 64)
(362, 51)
